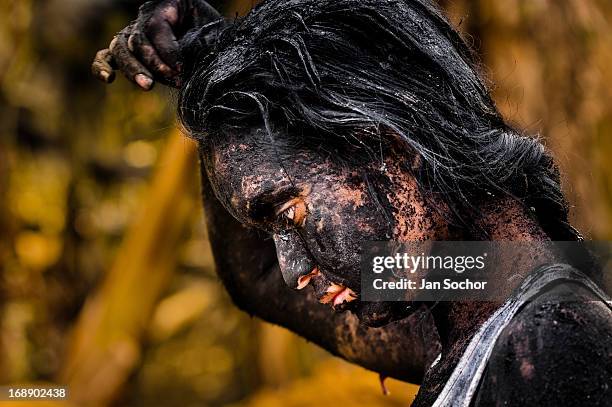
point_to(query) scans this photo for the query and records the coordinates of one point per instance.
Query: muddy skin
(343, 208)
(333, 210)
(148, 50)
(531, 353)
(558, 351)
(318, 211)
(247, 265)
(555, 352)
(457, 322)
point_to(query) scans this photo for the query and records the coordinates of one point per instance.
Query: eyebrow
(263, 204)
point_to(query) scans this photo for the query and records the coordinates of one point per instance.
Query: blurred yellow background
(107, 280)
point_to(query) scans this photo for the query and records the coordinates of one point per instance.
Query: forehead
(236, 153)
(245, 165)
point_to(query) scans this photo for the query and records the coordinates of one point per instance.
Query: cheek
(339, 222)
(415, 218)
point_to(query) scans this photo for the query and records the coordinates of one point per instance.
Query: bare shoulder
(557, 351)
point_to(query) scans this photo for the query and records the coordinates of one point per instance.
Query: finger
(128, 64)
(160, 34)
(146, 53)
(103, 66)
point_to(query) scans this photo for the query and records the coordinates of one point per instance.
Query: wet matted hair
(343, 73)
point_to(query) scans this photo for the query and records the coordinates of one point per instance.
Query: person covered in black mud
(325, 124)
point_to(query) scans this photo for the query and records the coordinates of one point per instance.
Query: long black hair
(348, 71)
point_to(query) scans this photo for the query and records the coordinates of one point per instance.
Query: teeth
(346, 295)
(333, 290)
(337, 294)
(291, 213)
(304, 280)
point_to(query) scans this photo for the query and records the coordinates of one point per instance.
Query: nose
(293, 257)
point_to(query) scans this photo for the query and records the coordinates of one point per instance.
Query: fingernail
(165, 69)
(105, 75)
(143, 81)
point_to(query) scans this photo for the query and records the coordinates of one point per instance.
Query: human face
(319, 211)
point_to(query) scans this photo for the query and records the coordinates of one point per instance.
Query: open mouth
(328, 292)
(341, 299)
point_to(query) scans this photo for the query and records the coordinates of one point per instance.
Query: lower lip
(344, 305)
(339, 295)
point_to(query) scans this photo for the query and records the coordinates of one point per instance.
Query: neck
(507, 221)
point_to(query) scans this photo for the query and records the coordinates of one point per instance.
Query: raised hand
(147, 50)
